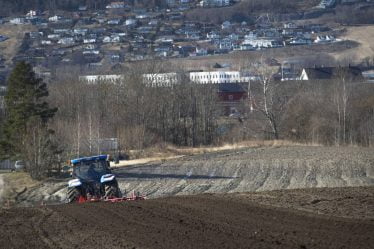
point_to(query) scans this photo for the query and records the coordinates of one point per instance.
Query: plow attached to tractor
(95, 182)
(132, 197)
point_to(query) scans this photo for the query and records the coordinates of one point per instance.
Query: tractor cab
(89, 169)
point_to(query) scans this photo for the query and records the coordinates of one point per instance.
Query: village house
(264, 43)
(55, 18)
(226, 25)
(80, 31)
(46, 42)
(82, 8)
(230, 96)
(116, 5)
(212, 35)
(324, 39)
(201, 51)
(66, 41)
(114, 21)
(226, 44)
(328, 73)
(327, 4)
(18, 21)
(214, 3)
(299, 41)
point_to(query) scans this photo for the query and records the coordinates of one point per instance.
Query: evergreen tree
(26, 134)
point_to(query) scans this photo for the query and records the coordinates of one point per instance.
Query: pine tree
(26, 134)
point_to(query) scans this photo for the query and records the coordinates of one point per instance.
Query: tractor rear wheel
(73, 195)
(112, 191)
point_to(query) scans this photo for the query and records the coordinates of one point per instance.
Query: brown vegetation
(247, 10)
(186, 114)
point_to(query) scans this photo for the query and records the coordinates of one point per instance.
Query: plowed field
(314, 218)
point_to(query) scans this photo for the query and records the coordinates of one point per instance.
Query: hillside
(363, 35)
(238, 170)
(15, 33)
(246, 10)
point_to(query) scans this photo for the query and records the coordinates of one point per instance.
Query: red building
(230, 96)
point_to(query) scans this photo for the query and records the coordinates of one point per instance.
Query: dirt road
(1, 189)
(202, 221)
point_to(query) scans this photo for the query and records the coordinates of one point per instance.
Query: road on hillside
(1, 188)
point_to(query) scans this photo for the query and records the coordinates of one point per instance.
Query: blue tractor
(93, 180)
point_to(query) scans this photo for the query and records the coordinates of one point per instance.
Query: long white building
(216, 77)
(168, 79)
(92, 79)
(161, 79)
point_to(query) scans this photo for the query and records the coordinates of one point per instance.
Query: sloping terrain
(202, 221)
(364, 36)
(239, 170)
(1, 188)
(15, 33)
(256, 169)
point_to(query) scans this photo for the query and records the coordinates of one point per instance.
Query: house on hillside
(327, 4)
(212, 35)
(18, 20)
(116, 5)
(214, 3)
(328, 73)
(264, 43)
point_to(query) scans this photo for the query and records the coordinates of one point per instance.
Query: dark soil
(202, 221)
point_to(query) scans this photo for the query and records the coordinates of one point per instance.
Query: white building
(32, 13)
(161, 79)
(93, 52)
(93, 79)
(80, 31)
(89, 40)
(216, 77)
(325, 39)
(54, 36)
(66, 41)
(326, 4)
(214, 3)
(116, 5)
(130, 22)
(212, 35)
(18, 20)
(55, 18)
(263, 43)
(46, 42)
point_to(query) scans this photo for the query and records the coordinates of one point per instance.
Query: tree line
(139, 115)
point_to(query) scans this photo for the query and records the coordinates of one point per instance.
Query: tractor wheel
(112, 191)
(73, 195)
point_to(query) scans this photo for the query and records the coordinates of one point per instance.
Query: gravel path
(1, 188)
